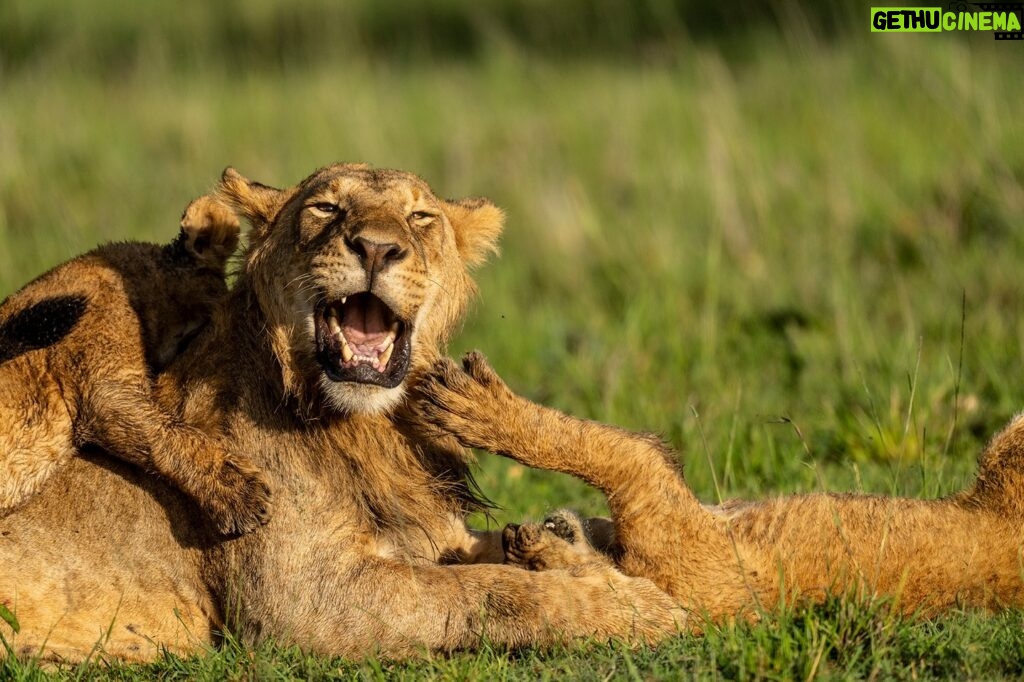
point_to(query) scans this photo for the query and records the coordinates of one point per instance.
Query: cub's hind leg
(36, 429)
(122, 418)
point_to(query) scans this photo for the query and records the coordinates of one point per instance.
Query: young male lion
(351, 283)
(734, 559)
(78, 347)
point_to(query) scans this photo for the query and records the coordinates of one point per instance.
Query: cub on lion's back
(78, 350)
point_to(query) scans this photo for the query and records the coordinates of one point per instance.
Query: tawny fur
(81, 344)
(739, 558)
(367, 551)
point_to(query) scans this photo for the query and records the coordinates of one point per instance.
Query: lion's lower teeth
(346, 352)
(386, 356)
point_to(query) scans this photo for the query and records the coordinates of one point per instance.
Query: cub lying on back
(737, 558)
(79, 346)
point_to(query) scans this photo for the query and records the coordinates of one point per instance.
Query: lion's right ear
(478, 224)
(257, 202)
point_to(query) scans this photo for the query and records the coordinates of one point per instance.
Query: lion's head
(361, 274)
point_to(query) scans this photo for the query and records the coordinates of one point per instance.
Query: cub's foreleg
(121, 417)
(661, 530)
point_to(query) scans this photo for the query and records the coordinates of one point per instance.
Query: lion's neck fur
(390, 478)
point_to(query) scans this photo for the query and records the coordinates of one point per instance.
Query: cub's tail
(1000, 482)
(40, 325)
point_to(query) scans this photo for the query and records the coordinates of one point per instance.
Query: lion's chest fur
(360, 481)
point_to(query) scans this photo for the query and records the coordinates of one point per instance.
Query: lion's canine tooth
(385, 357)
(332, 323)
(394, 327)
(346, 352)
(343, 299)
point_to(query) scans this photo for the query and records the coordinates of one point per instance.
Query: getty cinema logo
(1003, 18)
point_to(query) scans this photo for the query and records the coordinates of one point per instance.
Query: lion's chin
(354, 398)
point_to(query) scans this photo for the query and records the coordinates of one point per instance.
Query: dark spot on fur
(26, 650)
(40, 325)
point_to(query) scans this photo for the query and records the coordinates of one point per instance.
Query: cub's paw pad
(210, 230)
(535, 547)
(566, 525)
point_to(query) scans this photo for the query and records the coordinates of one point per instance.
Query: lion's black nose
(375, 256)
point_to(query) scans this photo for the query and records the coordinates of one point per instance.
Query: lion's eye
(325, 209)
(421, 218)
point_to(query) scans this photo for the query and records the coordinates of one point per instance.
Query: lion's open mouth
(360, 339)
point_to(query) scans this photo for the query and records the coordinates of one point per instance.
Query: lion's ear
(257, 202)
(477, 224)
(209, 231)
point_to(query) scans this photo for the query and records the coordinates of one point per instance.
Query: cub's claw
(467, 402)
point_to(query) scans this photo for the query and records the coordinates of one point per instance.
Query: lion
(350, 286)
(79, 346)
(739, 558)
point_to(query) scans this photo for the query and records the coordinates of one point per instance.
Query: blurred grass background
(787, 244)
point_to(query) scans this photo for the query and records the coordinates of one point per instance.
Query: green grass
(798, 261)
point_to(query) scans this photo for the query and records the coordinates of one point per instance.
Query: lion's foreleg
(379, 605)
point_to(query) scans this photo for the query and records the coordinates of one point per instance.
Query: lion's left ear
(477, 224)
(258, 202)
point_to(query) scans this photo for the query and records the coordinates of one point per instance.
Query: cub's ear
(257, 202)
(209, 231)
(477, 224)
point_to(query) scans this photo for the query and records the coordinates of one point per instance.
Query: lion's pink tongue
(364, 326)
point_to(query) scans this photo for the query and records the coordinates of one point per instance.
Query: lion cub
(79, 346)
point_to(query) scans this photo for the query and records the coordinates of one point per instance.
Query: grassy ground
(797, 260)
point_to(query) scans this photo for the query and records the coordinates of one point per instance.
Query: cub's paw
(471, 403)
(559, 542)
(240, 501)
(210, 230)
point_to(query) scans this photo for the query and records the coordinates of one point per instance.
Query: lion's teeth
(343, 299)
(385, 357)
(346, 352)
(394, 328)
(332, 323)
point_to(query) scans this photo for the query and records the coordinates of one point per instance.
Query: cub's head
(175, 296)
(362, 274)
